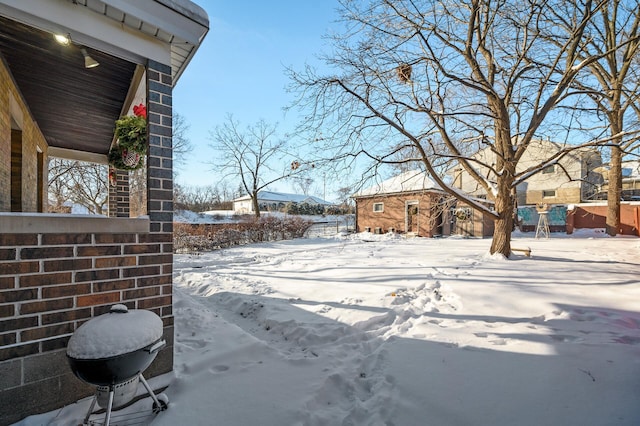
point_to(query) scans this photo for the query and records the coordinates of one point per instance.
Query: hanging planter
(131, 143)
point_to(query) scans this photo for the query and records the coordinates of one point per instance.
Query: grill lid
(117, 332)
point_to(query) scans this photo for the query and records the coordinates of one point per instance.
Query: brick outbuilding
(410, 203)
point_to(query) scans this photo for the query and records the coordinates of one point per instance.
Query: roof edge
(187, 9)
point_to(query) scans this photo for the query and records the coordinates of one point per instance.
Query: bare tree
(254, 155)
(81, 183)
(445, 80)
(181, 143)
(614, 36)
(200, 198)
(303, 184)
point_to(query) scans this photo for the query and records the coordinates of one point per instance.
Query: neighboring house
(630, 181)
(274, 201)
(575, 178)
(410, 203)
(58, 271)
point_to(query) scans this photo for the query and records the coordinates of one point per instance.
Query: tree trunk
(505, 203)
(503, 226)
(614, 191)
(256, 207)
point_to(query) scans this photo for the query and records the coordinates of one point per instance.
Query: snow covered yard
(404, 332)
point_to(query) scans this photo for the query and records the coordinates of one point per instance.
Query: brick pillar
(160, 157)
(160, 195)
(119, 193)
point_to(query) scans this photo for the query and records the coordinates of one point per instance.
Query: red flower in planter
(131, 140)
(140, 110)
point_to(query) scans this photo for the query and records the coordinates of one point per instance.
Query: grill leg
(107, 417)
(93, 404)
(149, 390)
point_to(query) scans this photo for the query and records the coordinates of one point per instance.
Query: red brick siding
(48, 289)
(394, 212)
(51, 283)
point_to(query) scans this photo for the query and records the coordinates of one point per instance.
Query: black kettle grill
(111, 351)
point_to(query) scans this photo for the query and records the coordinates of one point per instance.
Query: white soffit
(166, 31)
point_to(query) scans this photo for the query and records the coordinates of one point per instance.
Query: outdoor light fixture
(63, 39)
(89, 62)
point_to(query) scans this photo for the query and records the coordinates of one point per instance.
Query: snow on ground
(380, 330)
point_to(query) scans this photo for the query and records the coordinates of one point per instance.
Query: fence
(564, 218)
(329, 228)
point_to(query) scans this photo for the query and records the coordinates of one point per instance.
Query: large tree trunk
(506, 164)
(504, 224)
(614, 191)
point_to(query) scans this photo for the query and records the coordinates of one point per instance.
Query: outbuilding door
(411, 217)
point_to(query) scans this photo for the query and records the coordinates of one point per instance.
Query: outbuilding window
(378, 207)
(548, 193)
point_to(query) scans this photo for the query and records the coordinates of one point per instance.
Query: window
(549, 169)
(378, 207)
(548, 193)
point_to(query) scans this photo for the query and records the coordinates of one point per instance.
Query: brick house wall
(54, 279)
(393, 214)
(13, 108)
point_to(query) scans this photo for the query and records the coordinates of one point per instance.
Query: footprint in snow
(219, 369)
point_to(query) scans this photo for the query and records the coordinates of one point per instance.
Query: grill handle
(157, 346)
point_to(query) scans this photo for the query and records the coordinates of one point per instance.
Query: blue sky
(239, 69)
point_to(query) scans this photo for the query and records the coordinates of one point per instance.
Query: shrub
(192, 238)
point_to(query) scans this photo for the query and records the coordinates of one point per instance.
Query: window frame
(549, 193)
(381, 205)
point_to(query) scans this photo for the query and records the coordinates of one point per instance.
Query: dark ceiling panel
(74, 107)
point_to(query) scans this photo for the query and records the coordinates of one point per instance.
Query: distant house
(575, 178)
(630, 181)
(275, 201)
(409, 203)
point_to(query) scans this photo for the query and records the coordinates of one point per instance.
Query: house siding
(52, 282)
(574, 178)
(562, 196)
(474, 224)
(393, 216)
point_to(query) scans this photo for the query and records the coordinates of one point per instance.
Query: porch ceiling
(74, 107)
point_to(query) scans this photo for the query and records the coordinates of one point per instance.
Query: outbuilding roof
(283, 197)
(411, 181)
